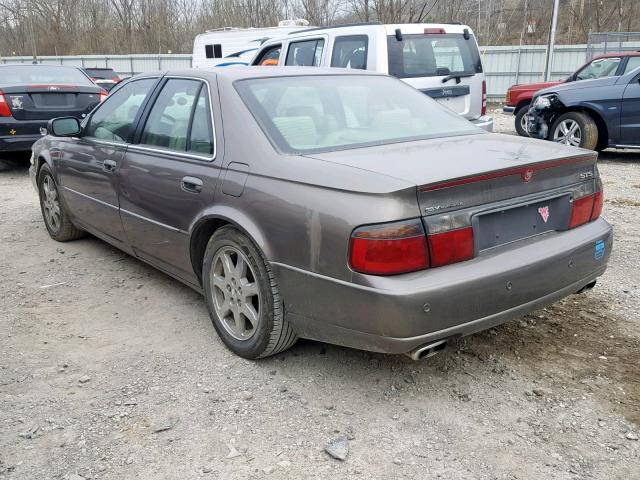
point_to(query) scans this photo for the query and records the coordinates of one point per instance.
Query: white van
(441, 60)
(236, 46)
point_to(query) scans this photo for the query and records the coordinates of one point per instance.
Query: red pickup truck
(611, 64)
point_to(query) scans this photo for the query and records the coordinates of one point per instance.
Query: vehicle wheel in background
(56, 218)
(243, 298)
(577, 129)
(521, 121)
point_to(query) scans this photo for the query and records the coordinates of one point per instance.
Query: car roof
(635, 53)
(244, 72)
(66, 67)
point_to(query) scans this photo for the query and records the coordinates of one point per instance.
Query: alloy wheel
(568, 132)
(236, 296)
(51, 203)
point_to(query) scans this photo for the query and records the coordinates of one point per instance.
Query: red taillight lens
(435, 31)
(103, 95)
(389, 249)
(451, 246)
(598, 201)
(484, 98)
(581, 211)
(5, 111)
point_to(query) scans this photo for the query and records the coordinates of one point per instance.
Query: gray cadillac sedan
(335, 205)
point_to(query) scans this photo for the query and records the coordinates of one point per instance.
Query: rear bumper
(398, 314)
(485, 122)
(17, 143)
(508, 109)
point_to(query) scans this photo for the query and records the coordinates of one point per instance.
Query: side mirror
(64, 127)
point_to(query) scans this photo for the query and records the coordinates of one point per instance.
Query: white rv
(237, 46)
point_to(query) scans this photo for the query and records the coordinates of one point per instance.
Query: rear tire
(243, 298)
(55, 216)
(521, 121)
(577, 129)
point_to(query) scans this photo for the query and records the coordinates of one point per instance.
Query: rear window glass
(430, 55)
(100, 72)
(38, 74)
(323, 113)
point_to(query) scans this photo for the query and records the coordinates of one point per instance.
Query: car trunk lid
(505, 187)
(43, 102)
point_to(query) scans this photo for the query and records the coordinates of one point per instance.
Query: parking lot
(110, 369)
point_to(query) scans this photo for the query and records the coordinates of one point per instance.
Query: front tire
(55, 216)
(576, 129)
(521, 121)
(243, 298)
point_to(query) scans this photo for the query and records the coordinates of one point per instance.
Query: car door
(170, 174)
(630, 112)
(87, 165)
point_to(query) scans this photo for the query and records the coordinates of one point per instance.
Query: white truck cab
(441, 60)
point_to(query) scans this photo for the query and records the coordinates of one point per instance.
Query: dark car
(593, 114)
(518, 99)
(106, 78)
(315, 203)
(30, 95)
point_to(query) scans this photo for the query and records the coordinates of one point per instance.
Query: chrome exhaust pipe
(588, 286)
(427, 350)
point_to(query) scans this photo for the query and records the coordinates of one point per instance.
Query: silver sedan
(334, 205)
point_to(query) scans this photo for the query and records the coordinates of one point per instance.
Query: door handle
(109, 165)
(191, 184)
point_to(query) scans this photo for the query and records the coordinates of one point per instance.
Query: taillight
(586, 209)
(598, 201)
(5, 111)
(389, 249)
(438, 31)
(103, 95)
(402, 247)
(451, 246)
(484, 98)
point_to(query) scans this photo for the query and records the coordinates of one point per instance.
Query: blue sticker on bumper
(599, 250)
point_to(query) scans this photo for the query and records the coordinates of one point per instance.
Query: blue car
(593, 114)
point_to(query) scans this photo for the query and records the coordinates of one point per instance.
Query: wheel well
(41, 161)
(522, 104)
(199, 240)
(603, 132)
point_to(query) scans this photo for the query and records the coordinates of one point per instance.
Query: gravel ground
(111, 370)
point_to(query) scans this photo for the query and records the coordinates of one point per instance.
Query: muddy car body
(334, 205)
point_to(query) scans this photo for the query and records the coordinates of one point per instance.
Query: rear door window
(307, 53)
(114, 119)
(201, 135)
(350, 52)
(167, 125)
(430, 55)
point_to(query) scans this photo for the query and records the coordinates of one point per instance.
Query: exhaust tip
(588, 286)
(427, 350)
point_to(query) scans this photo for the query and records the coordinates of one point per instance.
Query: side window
(114, 119)
(168, 123)
(632, 64)
(269, 57)
(599, 68)
(306, 53)
(201, 136)
(350, 52)
(213, 51)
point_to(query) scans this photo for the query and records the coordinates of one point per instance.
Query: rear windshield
(430, 55)
(100, 72)
(37, 74)
(321, 113)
